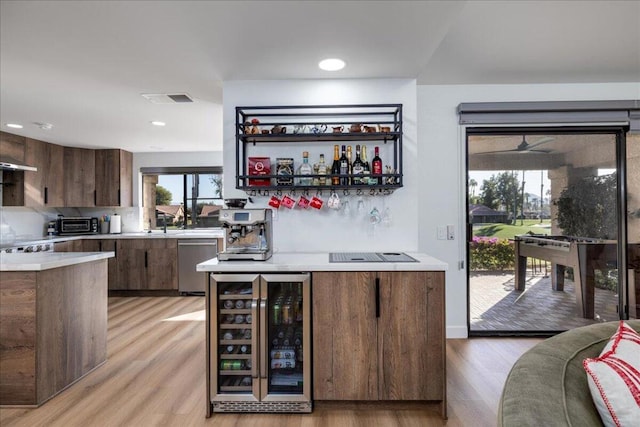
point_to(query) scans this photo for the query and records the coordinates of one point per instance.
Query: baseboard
(457, 332)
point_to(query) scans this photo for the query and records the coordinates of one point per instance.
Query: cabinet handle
(95, 197)
(146, 259)
(263, 333)
(46, 195)
(377, 297)
(118, 197)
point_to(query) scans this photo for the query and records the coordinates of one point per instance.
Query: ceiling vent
(167, 98)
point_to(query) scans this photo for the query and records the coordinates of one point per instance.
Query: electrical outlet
(442, 232)
(450, 232)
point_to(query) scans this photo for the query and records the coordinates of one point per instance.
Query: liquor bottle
(335, 167)
(357, 168)
(349, 165)
(367, 171)
(277, 312)
(376, 167)
(344, 167)
(322, 171)
(305, 169)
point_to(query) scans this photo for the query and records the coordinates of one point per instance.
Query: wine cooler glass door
(235, 337)
(285, 326)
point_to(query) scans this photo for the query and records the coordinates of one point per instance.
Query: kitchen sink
(338, 257)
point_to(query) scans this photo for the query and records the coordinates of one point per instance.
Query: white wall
(327, 230)
(441, 157)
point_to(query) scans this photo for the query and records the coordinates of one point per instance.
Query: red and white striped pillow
(614, 379)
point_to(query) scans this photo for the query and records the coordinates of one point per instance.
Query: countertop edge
(41, 261)
(217, 234)
(297, 262)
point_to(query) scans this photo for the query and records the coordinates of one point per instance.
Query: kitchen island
(378, 328)
(53, 322)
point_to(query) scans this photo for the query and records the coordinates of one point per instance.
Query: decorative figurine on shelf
(254, 128)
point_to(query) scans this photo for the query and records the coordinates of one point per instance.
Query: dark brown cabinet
(12, 151)
(79, 177)
(379, 336)
(114, 174)
(66, 176)
(146, 264)
(69, 246)
(46, 186)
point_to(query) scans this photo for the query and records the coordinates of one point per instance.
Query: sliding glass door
(544, 209)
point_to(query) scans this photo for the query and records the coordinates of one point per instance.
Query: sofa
(547, 386)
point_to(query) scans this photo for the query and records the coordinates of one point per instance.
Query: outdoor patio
(496, 306)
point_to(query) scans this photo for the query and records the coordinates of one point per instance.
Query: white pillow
(614, 379)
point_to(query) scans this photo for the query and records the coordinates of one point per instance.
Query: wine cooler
(258, 339)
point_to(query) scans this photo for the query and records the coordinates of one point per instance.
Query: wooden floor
(155, 376)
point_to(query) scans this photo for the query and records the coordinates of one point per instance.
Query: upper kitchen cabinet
(12, 147)
(114, 173)
(12, 151)
(271, 140)
(79, 177)
(46, 186)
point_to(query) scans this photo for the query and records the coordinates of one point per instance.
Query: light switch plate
(442, 232)
(450, 232)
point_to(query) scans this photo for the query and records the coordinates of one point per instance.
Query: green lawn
(506, 231)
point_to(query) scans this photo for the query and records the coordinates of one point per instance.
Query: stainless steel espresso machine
(248, 234)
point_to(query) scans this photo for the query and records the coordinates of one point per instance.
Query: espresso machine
(248, 234)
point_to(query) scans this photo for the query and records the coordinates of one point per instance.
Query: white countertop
(156, 234)
(296, 262)
(38, 261)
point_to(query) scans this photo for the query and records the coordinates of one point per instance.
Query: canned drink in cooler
(240, 304)
(239, 318)
(249, 318)
(283, 354)
(228, 304)
(283, 363)
(231, 365)
(227, 336)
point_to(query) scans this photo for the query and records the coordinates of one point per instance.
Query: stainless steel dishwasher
(190, 253)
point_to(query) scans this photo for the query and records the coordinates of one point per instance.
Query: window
(181, 198)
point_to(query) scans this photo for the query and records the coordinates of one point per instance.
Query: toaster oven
(76, 225)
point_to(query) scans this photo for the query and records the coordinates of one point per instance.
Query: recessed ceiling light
(331, 64)
(158, 123)
(14, 125)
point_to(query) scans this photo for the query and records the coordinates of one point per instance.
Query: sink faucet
(164, 222)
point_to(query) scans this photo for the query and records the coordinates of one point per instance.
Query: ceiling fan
(525, 147)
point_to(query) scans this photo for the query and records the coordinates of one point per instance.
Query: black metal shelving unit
(306, 117)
